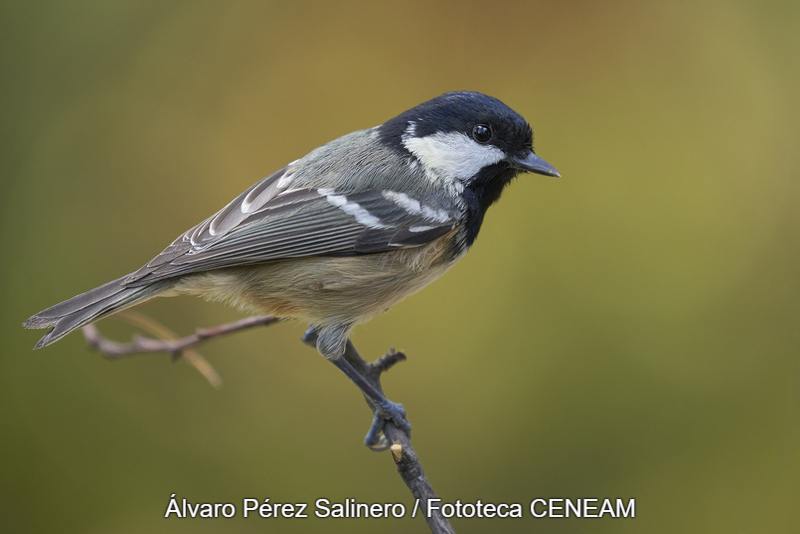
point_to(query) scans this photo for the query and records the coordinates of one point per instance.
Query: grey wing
(271, 222)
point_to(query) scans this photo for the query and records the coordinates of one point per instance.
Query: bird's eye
(482, 133)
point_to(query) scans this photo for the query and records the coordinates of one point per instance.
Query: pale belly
(323, 290)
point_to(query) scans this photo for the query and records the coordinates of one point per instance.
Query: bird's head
(466, 138)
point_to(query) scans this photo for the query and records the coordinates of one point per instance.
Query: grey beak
(533, 163)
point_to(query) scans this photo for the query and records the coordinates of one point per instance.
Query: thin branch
(168, 342)
(114, 350)
(403, 454)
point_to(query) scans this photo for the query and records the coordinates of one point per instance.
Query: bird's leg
(384, 409)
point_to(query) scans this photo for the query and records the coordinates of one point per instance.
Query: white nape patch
(351, 208)
(414, 207)
(452, 155)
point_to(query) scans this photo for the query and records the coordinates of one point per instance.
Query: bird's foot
(386, 411)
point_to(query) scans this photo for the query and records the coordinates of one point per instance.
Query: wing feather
(271, 222)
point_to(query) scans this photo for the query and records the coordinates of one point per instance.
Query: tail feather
(91, 306)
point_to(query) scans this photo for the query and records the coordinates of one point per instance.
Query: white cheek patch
(452, 155)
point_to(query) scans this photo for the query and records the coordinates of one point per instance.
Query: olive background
(630, 330)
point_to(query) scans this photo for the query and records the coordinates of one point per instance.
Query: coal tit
(342, 234)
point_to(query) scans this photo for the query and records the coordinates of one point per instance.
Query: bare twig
(403, 454)
(168, 342)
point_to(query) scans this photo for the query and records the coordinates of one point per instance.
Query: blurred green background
(631, 330)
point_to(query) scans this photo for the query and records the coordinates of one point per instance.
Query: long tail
(91, 306)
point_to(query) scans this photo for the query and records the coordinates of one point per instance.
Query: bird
(342, 234)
